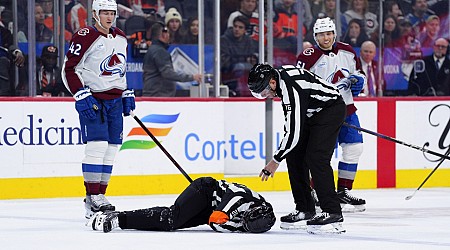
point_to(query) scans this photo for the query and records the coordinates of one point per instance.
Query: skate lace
(320, 216)
(293, 214)
(351, 197)
(104, 200)
(99, 200)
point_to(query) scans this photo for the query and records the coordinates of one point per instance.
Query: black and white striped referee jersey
(302, 94)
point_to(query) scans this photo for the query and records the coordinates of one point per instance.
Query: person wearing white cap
(173, 22)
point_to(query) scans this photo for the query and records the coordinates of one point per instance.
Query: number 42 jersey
(98, 61)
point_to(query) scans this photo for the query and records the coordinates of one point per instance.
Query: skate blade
(332, 228)
(347, 208)
(300, 225)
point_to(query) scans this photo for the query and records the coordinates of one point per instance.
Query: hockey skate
(97, 203)
(106, 221)
(325, 223)
(295, 220)
(349, 203)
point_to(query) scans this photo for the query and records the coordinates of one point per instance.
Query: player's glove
(358, 81)
(343, 84)
(85, 104)
(128, 101)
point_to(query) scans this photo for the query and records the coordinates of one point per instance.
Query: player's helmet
(98, 5)
(258, 79)
(259, 219)
(324, 25)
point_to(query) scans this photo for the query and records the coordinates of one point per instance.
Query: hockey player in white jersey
(94, 72)
(337, 62)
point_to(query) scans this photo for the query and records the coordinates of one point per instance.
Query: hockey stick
(429, 175)
(397, 141)
(161, 146)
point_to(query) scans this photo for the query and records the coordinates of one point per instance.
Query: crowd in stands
(413, 25)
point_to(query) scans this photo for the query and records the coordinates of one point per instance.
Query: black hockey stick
(397, 141)
(429, 175)
(161, 146)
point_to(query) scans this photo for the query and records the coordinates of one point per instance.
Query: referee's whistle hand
(268, 170)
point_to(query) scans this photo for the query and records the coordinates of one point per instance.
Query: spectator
(329, 10)
(43, 34)
(285, 26)
(77, 17)
(247, 9)
(237, 50)
(359, 9)
(391, 31)
(316, 7)
(370, 68)
(6, 19)
(355, 34)
(305, 8)
(191, 36)
(405, 31)
(410, 47)
(173, 22)
(145, 7)
(431, 31)
(225, 207)
(47, 6)
(9, 55)
(435, 78)
(48, 74)
(159, 76)
(392, 8)
(419, 15)
(285, 20)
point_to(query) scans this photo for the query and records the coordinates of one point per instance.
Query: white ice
(390, 222)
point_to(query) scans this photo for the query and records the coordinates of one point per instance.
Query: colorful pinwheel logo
(158, 124)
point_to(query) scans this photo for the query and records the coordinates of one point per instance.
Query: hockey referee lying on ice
(314, 112)
(226, 207)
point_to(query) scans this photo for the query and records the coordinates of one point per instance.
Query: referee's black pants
(313, 154)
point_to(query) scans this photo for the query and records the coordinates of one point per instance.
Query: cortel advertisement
(42, 138)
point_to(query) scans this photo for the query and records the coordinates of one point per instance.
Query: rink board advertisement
(41, 147)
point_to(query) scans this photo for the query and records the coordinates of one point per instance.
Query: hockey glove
(343, 84)
(218, 217)
(358, 80)
(85, 104)
(128, 101)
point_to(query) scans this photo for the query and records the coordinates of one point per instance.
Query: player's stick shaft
(397, 141)
(428, 177)
(161, 146)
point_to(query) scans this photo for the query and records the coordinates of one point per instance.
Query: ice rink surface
(390, 222)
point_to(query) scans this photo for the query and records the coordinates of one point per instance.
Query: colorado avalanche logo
(113, 64)
(338, 75)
